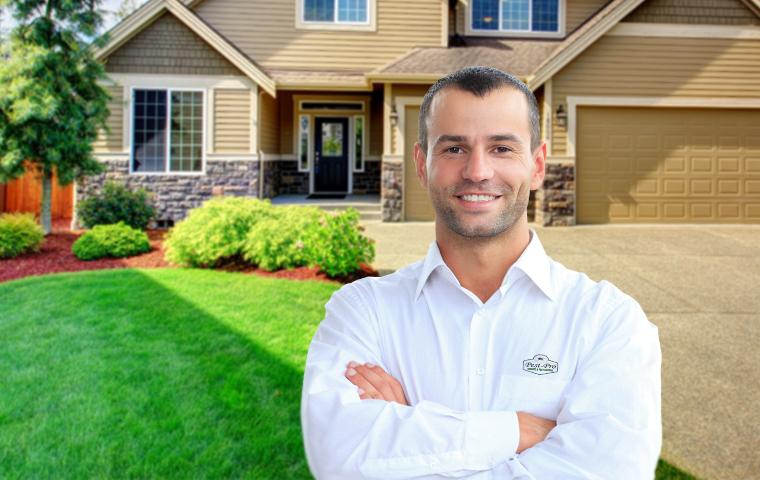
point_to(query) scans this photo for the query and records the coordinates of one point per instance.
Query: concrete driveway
(701, 286)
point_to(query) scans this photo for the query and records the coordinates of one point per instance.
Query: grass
(157, 373)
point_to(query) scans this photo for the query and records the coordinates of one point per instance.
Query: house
(650, 108)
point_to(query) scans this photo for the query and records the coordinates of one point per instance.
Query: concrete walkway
(701, 286)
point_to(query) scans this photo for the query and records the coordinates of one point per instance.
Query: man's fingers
(380, 383)
(376, 382)
(367, 389)
(395, 386)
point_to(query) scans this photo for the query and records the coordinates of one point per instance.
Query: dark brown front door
(331, 155)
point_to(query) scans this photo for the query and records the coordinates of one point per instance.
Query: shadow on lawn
(159, 388)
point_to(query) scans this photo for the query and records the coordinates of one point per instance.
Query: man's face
(479, 168)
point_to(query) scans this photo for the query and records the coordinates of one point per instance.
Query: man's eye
(454, 150)
(503, 149)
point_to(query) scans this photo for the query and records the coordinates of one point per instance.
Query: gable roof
(577, 42)
(150, 11)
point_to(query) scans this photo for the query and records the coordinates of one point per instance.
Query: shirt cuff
(494, 435)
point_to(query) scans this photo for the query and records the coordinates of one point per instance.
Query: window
(167, 131)
(303, 143)
(336, 11)
(358, 143)
(516, 15)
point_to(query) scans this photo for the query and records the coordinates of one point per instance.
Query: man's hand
(374, 382)
(533, 430)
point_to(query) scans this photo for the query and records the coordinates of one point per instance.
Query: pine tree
(51, 105)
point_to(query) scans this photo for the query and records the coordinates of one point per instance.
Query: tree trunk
(47, 188)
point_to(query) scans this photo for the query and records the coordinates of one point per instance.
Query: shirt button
(480, 371)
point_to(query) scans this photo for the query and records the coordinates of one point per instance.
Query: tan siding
(461, 17)
(168, 46)
(711, 12)
(266, 32)
(376, 123)
(578, 11)
(232, 120)
(269, 124)
(659, 67)
(114, 140)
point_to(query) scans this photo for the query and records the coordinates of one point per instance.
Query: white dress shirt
(550, 342)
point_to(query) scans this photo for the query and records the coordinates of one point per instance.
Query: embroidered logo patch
(540, 365)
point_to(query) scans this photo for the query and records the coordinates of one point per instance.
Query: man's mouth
(478, 197)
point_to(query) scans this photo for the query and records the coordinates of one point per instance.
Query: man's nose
(478, 166)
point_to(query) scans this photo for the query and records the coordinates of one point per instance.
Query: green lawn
(157, 373)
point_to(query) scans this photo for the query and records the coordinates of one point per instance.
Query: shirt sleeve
(349, 438)
(610, 424)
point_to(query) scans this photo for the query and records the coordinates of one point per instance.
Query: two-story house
(650, 108)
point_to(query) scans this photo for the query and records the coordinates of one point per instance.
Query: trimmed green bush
(215, 231)
(286, 240)
(117, 204)
(117, 240)
(341, 247)
(19, 233)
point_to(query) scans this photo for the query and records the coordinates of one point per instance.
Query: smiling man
(486, 359)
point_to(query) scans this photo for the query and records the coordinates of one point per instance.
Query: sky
(6, 23)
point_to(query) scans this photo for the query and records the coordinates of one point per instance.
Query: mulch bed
(55, 256)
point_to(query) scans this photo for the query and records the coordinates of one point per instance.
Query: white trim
(684, 31)
(253, 145)
(148, 80)
(557, 61)
(387, 107)
(212, 117)
(204, 127)
(126, 116)
(548, 106)
(328, 99)
(233, 157)
(401, 104)
(369, 25)
(573, 102)
(561, 20)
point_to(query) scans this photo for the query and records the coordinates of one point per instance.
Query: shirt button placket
(478, 343)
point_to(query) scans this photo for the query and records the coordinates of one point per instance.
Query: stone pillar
(555, 201)
(392, 198)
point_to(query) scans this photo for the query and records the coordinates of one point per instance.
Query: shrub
(117, 240)
(285, 240)
(341, 247)
(215, 232)
(116, 204)
(19, 233)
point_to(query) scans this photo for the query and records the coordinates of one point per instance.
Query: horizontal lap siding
(709, 12)
(167, 46)
(232, 120)
(659, 67)
(266, 32)
(579, 11)
(113, 141)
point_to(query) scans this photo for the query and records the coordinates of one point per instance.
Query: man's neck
(481, 263)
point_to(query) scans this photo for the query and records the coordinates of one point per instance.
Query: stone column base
(392, 194)
(555, 201)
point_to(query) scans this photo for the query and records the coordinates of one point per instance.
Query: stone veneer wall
(282, 177)
(555, 202)
(175, 194)
(368, 182)
(392, 194)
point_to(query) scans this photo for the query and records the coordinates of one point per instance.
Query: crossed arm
(375, 383)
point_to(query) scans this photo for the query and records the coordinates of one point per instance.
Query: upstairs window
(336, 11)
(516, 16)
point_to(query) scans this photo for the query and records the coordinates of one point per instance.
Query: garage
(667, 165)
(417, 206)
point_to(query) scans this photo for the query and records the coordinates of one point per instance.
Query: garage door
(417, 204)
(668, 165)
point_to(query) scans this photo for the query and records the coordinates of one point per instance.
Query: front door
(331, 154)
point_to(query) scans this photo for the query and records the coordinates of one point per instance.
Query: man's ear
(539, 167)
(420, 164)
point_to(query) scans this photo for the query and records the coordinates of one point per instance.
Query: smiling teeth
(478, 198)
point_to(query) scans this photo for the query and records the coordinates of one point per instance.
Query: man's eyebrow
(451, 138)
(507, 137)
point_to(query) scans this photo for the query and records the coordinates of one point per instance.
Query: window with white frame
(303, 143)
(167, 131)
(359, 143)
(336, 11)
(540, 16)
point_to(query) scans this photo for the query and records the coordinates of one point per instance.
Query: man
(487, 359)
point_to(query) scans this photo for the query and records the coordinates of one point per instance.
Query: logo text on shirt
(540, 365)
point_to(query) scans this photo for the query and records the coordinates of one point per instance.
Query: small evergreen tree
(51, 105)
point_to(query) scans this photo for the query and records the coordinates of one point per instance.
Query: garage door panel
(668, 165)
(417, 205)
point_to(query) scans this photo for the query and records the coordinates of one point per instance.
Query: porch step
(368, 206)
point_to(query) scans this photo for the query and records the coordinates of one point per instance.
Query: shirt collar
(533, 262)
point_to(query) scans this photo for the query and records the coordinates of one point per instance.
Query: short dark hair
(480, 81)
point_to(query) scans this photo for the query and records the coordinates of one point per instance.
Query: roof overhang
(150, 11)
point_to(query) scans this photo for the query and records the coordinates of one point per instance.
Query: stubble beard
(505, 219)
